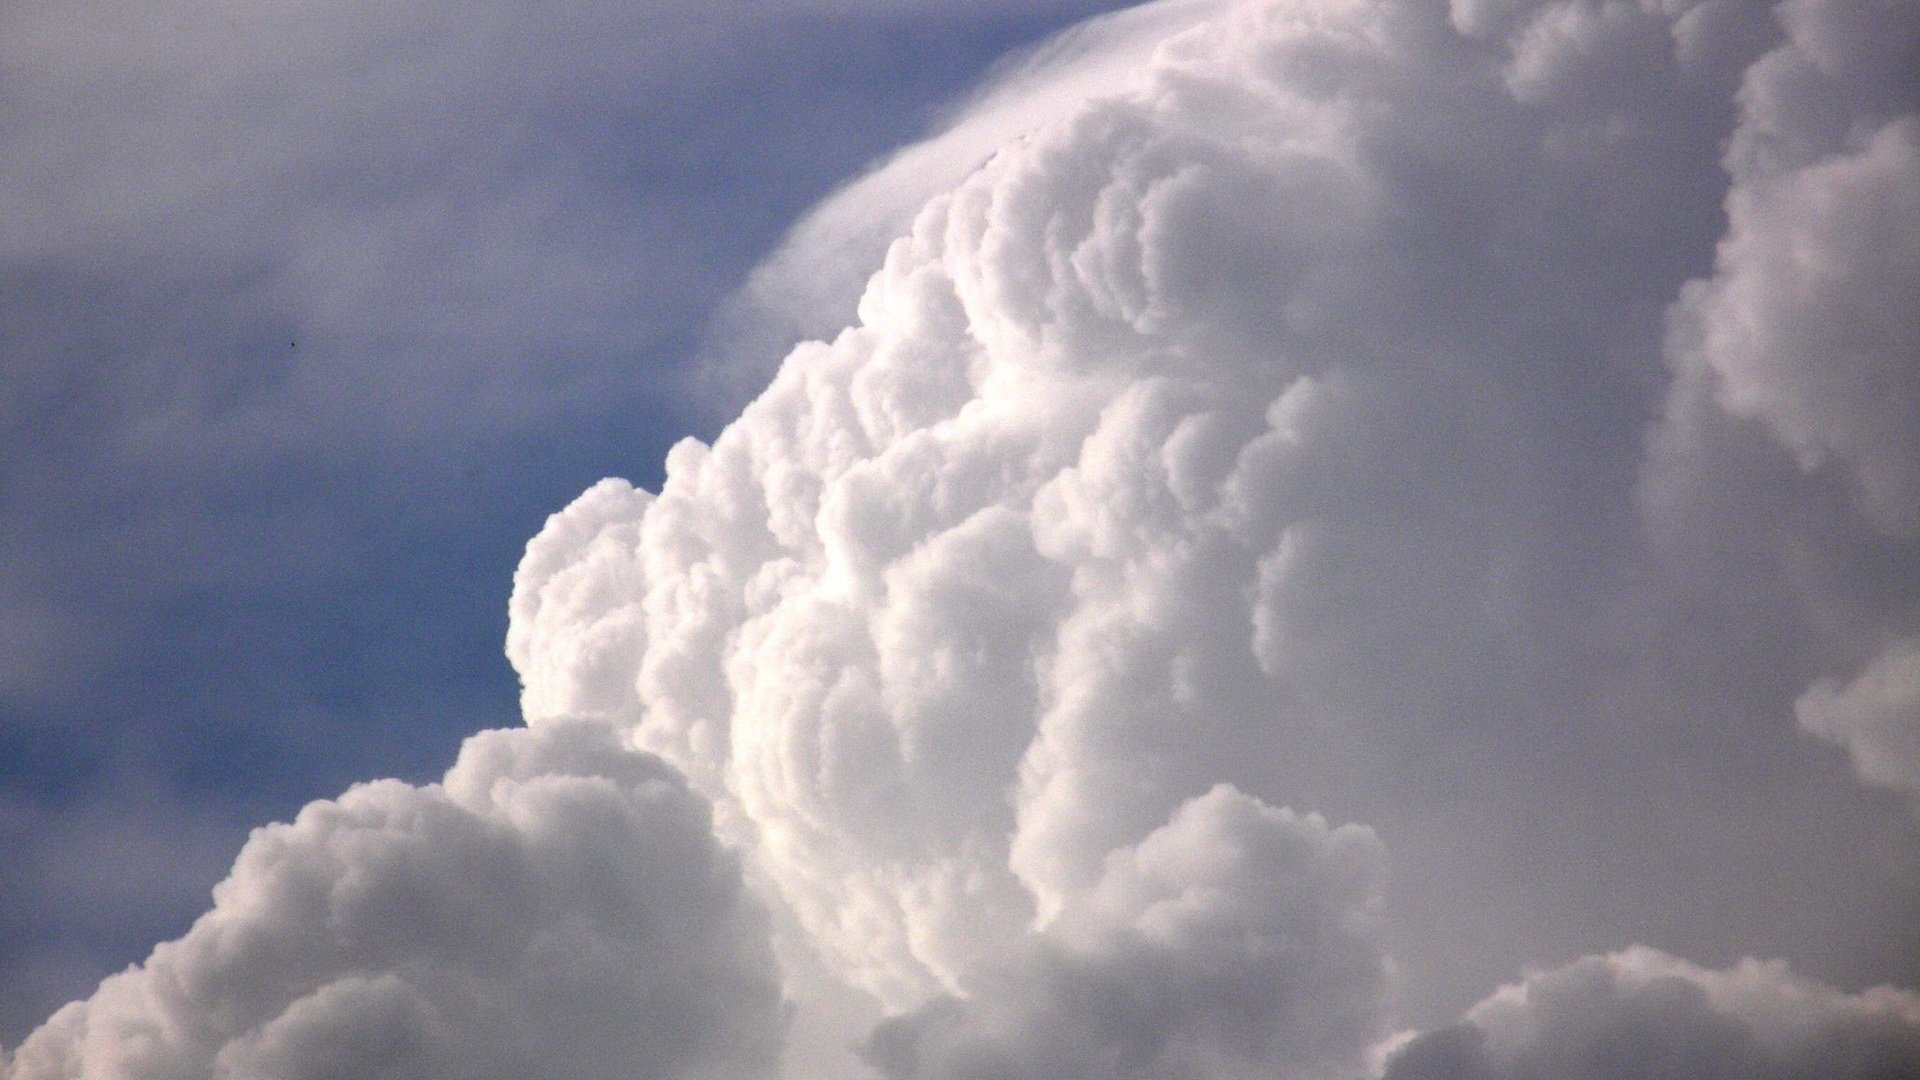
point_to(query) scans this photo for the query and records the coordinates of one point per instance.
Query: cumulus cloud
(556, 906)
(1306, 428)
(1805, 329)
(916, 620)
(1642, 1013)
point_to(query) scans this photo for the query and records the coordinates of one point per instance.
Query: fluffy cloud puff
(1645, 1014)
(556, 907)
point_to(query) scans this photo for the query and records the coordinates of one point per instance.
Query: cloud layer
(1370, 434)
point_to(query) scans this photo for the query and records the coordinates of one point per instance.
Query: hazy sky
(1340, 537)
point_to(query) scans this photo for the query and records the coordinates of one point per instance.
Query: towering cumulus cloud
(1484, 435)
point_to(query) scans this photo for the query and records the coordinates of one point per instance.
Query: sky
(1250, 538)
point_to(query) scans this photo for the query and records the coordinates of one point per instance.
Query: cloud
(557, 906)
(1325, 422)
(1643, 1013)
(1804, 330)
(882, 621)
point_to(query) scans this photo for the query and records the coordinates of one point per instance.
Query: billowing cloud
(1806, 326)
(1645, 1014)
(1235, 941)
(1363, 413)
(1278, 417)
(557, 906)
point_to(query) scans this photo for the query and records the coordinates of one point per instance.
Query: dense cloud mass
(1476, 441)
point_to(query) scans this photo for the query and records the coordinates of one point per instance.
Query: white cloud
(1645, 1014)
(556, 907)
